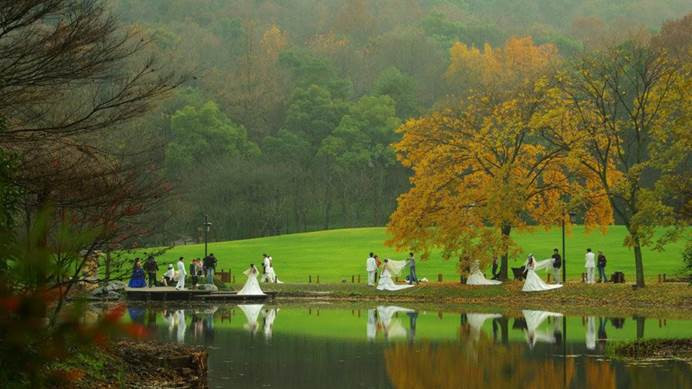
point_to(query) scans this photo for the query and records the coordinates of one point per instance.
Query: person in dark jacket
(151, 267)
(496, 273)
(209, 267)
(601, 263)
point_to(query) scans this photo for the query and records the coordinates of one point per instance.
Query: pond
(323, 345)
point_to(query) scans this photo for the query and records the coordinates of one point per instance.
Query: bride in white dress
(477, 277)
(251, 287)
(533, 282)
(391, 268)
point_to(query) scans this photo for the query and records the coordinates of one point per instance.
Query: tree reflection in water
(476, 364)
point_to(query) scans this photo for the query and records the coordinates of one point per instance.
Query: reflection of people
(533, 282)
(412, 316)
(251, 287)
(589, 264)
(591, 333)
(269, 317)
(181, 326)
(251, 312)
(137, 280)
(602, 336)
(533, 320)
(371, 329)
(392, 327)
(476, 320)
(390, 268)
(371, 268)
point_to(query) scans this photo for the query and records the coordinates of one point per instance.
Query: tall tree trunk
(638, 264)
(504, 261)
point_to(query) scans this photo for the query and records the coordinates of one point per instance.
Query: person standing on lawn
(601, 267)
(209, 267)
(371, 268)
(557, 265)
(412, 269)
(151, 267)
(590, 264)
(181, 275)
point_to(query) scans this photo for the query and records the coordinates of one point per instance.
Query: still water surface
(399, 346)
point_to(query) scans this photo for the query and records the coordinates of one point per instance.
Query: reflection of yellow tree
(488, 366)
(599, 375)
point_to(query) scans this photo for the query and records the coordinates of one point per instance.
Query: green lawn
(336, 255)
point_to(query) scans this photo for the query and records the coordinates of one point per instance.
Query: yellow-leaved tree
(624, 115)
(482, 168)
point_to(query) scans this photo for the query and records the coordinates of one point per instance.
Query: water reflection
(408, 347)
(534, 319)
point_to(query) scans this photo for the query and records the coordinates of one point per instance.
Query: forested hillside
(287, 121)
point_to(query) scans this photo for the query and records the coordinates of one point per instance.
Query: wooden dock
(191, 295)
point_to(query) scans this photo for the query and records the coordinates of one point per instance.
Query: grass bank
(337, 255)
(667, 299)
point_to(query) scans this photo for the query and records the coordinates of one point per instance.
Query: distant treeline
(288, 122)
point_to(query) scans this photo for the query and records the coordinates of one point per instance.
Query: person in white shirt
(266, 264)
(181, 275)
(590, 265)
(371, 268)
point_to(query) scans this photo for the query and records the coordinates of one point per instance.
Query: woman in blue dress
(137, 280)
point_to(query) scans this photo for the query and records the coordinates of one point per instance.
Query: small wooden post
(439, 277)
(309, 279)
(318, 281)
(583, 277)
(664, 277)
(353, 279)
(359, 278)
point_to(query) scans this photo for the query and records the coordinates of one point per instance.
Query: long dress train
(533, 282)
(137, 280)
(251, 287)
(385, 282)
(252, 312)
(477, 277)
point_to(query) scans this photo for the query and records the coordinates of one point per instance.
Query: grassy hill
(335, 255)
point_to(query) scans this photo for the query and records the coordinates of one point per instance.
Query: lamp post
(207, 225)
(564, 254)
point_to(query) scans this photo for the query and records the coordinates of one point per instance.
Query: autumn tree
(628, 108)
(480, 169)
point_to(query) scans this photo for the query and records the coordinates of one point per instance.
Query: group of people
(198, 270)
(388, 269)
(554, 264)
(252, 285)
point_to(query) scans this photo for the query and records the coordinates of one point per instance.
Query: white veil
(395, 267)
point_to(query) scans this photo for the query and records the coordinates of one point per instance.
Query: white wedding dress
(251, 287)
(391, 268)
(270, 275)
(477, 277)
(533, 320)
(533, 282)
